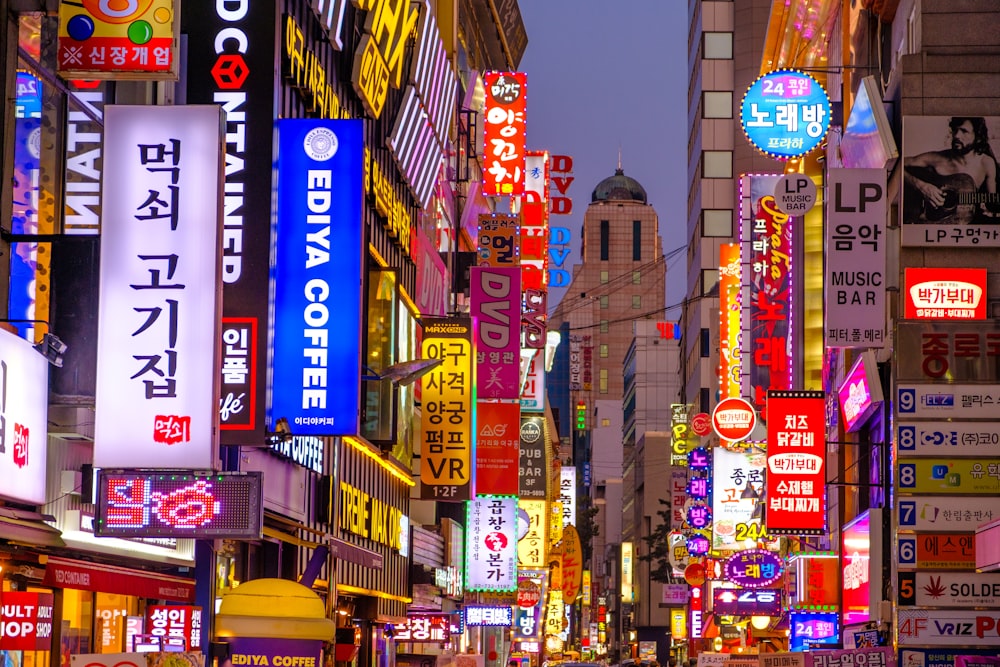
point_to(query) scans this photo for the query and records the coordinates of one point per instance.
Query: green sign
(950, 476)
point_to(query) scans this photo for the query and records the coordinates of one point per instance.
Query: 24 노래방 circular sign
(734, 419)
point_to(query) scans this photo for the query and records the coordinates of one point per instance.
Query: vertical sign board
(499, 242)
(497, 448)
(504, 133)
(491, 547)
(496, 311)
(157, 362)
(862, 567)
(316, 277)
(567, 494)
(730, 321)
(532, 530)
(230, 62)
(856, 258)
(796, 464)
(533, 391)
(24, 404)
(737, 486)
(533, 472)
(118, 40)
(951, 207)
(448, 421)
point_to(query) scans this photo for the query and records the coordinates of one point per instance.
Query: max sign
(26, 621)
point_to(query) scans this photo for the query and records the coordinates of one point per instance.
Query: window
(605, 421)
(605, 277)
(703, 398)
(717, 104)
(717, 222)
(636, 240)
(603, 386)
(604, 302)
(706, 343)
(604, 350)
(604, 326)
(637, 277)
(709, 281)
(717, 164)
(717, 46)
(605, 239)
(636, 301)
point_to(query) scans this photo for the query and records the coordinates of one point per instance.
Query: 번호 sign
(951, 514)
(941, 401)
(951, 439)
(974, 476)
(937, 551)
(949, 589)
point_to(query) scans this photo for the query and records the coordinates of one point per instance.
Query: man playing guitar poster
(954, 186)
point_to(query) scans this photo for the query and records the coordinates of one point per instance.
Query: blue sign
(785, 114)
(316, 277)
(812, 629)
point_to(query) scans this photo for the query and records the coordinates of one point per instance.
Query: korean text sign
(178, 625)
(504, 133)
(447, 422)
(497, 448)
(491, 547)
(157, 369)
(945, 293)
(26, 621)
(785, 114)
(796, 478)
(496, 310)
(23, 420)
(316, 277)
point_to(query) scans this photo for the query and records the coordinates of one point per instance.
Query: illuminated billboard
(504, 133)
(785, 113)
(491, 544)
(796, 463)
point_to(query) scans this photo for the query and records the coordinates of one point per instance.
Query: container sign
(945, 293)
(951, 439)
(674, 594)
(948, 351)
(275, 651)
(533, 461)
(26, 621)
(942, 401)
(949, 589)
(785, 113)
(937, 551)
(974, 476)
(871, 657)
(952, 514)
(860, 393)
(753, 568)
(948, 627)
(491, 544)
(504, 133)
(496, 312)
(737, 486)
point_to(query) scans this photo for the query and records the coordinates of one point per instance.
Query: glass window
(717, 104)
(605, 421)
(636, 240)
(706, 343)
(604, 350)
(637, 301)
(605, 239)
(605, 302)
(605, 277)
(603, 381)
(637, 277)
(717, 222)
(709, 281)
(717, 164)
(717, 46)
(604, 326)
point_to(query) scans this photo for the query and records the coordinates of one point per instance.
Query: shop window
(717, 46)
(636, 301)
(637, 240)
(717, 164)
(603, 382)
(717, 222)
(717, 104)
(605, 302)
(604, 350)
(605, 240)
(637, 277)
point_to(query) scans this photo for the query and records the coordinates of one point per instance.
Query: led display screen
(134, 503)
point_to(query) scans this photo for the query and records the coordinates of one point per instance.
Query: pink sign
(860, 393)
(496, 310)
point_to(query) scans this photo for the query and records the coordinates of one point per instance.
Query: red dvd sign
(734, 419)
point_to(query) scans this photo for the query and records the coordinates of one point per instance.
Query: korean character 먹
(844, 237)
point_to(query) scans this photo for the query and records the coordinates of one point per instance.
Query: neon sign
(179, 504)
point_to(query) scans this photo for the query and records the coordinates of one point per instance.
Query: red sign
(65, 573)
(25, 621)
(503, 133)
(178, 625)
(945, 294)
(497, 448)
(424, 628)
(734, 419)
(701, 424)
(796, 477)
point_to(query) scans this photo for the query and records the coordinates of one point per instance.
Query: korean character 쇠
(157, 208)
(844, 237)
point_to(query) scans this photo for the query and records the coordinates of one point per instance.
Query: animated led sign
(785, 114)
(132, 503)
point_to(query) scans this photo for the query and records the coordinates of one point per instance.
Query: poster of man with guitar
(956, 185)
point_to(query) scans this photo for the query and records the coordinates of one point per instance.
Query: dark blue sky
(610, 73)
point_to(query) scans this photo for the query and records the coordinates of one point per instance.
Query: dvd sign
(734, 419)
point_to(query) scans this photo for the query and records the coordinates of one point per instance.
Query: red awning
(66, 573)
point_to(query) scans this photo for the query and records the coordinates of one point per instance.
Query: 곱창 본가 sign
(785, 114)
(796, 464)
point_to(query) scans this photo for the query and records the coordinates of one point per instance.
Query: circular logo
(35, 143)
(505, 90)
(321, 144)
(785, 114)
(734, 419)
(495, 541)
(531, 432)
(529, 594)
(794, 194)
(694, 574)
(701, 424)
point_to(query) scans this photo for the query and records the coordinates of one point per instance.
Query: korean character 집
(119, 55)
(161, 366)
(869, 235)
(812, 115)
(761, 118)
(787, 115)
(844, 237)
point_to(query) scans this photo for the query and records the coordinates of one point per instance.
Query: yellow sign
(572, 564)
(531, 548)
(678, 623)
(379, 58)
(586, 588)
(369, 517)
(309, 75)
(392, 208)
(627, 570)
(555, 614)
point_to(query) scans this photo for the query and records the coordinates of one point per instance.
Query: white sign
(24, 405)
(957, 589)
(950, 514)
(943, 401)
(158, 323)
(795, 194)
(567, 494)
(979, 439)
(491, 544)
(944, 627)
(855, 258)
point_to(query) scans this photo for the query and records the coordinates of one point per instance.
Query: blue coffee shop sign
(785, 113)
